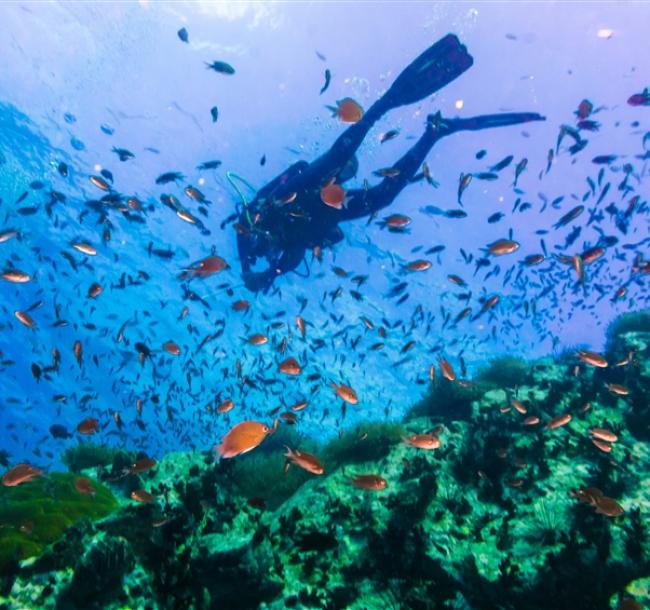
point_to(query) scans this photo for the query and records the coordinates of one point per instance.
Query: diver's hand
(258, 281)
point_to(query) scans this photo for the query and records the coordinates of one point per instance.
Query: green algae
(88, 455)
(35, 514)
(370, 441)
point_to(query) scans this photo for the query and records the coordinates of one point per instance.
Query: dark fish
(59, 431)
(263, 160)
(169, 177)
(502, 164)
(183, 35)
(640, 99)
(63, 169)
(481, 153)
(463, 183)
(221, 67)
(604, 159)
(208, 165)
(214, 113)
(388, 135)
(569, 216)
(107, 129)
(496, 217)
(123, 154)
(486, 176)
(519, 168)
(328, 76)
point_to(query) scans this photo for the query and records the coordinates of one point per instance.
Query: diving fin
(438, 66)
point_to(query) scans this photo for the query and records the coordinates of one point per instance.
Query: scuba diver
(291, 214)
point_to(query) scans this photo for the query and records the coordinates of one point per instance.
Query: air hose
(229, 177)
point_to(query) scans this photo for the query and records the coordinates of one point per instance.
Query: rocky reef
(504, 514)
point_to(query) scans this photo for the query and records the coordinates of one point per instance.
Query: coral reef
(493, 518)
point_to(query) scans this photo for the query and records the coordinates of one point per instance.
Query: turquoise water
(102, 99)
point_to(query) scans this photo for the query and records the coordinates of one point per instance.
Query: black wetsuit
(287, 216)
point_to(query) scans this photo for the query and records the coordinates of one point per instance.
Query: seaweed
(635, 321)
(371, 441)
(504, 372)
(88, 455)
(36, 513)
(448, 401)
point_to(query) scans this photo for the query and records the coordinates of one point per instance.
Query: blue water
(78, 79)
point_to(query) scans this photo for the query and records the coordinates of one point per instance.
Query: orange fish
(84, 486)
(16, 277)
(418, 265)
(205, 267)
(333, 195)
(299, 406)
(258, 339)
(519, 406)
(592, 358)
(604, 435)
(25, 319)
(88, 426)
(372, 482)
(244, 437)
(618, 389)
(446, 369)
(578, 267)
(22, 473)
(171, 348)
(604, 446)
(422, 441)
(140, 495)
(432, 373)
(290, 366)
(76, 348)
(346, 393)
(347, 110)
(241, 305)
(300, 322)
(559, 421)
(502, 246)
(85, 248)
(397, 221)
(225, 406)
(95, 290)
(305, 460)
(100, 183)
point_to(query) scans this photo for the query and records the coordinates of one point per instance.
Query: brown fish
(85, 248)
(345, 393)
(305, 460)
(422, 441)
(225, 406)
(608, 507)
(559, 421)
(603, 434)
(84, 486)
(371, 482)
(258, 339)
(290, 366)
(95, 290)
(16, 277)
(171, 348)
(142, 496)
(142, 465)
(592, 358)
(446, 369)
(618, 389)
(25, 318)
(88, 426)
(347, 110)
(22, 473)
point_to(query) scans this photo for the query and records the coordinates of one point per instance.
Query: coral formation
(496, 517)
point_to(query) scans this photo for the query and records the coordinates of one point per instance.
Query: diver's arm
(262, 280)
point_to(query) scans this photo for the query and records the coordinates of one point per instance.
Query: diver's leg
(439, 65)
(362, 203)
